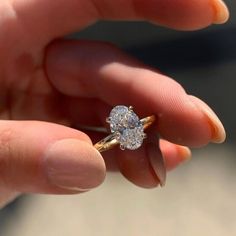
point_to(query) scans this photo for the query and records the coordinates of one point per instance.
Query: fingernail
(221, 12)
(174, 154)
(217, 128)
(157, 163)
(155, 156)
(74, 165)
(185, 153)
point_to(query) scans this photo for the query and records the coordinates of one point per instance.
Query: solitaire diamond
(127, 126)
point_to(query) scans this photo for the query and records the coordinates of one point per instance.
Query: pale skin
(49, 85)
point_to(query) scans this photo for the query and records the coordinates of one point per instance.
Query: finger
(47, 158)
(116, 78)
(174, 154)
(52, 19)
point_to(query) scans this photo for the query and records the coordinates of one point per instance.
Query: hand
(62, 83)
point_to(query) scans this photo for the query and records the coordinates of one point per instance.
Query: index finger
(95, 70)
(51, 19)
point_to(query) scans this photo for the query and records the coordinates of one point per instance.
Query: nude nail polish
(155, 156)
(221, 12)
(218, 132)
(185, 153)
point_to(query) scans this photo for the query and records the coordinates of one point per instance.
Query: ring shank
(148, 121)
(110, 141)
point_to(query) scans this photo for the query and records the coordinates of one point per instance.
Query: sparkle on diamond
(130, 131)
(117, 118)
(132, 138)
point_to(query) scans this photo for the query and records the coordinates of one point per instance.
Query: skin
(49, 84)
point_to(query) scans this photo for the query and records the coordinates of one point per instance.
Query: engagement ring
(127, 130)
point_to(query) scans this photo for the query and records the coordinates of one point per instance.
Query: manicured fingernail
(184, 153)
(221, 12)
(157, 163)
(174, 154)
(218, 131)
(155, 156)
(74, 165)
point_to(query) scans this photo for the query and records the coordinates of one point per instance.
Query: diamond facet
(127, 126)
(132, 138)
(117, 118)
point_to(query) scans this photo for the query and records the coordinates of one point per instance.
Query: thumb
(47, 158)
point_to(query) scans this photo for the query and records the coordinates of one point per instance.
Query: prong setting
(144, 136)
(131, 108)
(117, 135)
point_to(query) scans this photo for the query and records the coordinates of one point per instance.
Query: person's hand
(63, 83)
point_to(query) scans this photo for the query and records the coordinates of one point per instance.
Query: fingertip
(185, 153)
(221, 12)
(218, 134)
(179, 14)
(42, 157)
(173, 154)
(184, 123)
(74, 165)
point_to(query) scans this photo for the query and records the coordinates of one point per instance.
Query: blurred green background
(200, 196)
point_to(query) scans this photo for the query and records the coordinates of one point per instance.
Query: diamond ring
(127, 130)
